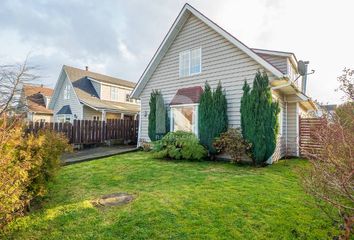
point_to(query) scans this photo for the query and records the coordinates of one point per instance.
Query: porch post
(103, 115)
(122, 116)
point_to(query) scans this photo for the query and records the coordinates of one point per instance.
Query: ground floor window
(96, 118)
(64, 118)
(184, 118)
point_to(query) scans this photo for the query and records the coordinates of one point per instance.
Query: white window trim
(64, 116)
(116, 91)
(189, 62)
(66, 92)
(196, 127)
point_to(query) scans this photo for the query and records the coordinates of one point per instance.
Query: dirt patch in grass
(113, 199)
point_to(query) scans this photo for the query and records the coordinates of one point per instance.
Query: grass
(176, 200)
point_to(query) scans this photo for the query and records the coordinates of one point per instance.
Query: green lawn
(176, 200)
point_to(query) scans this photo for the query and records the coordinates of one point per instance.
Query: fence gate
(307, 135)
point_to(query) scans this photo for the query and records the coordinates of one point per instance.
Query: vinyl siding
(221, 61)
(97, 87)
(88, 113)
(279, 62)
(75, 105)
(106, 93)
(292, 134)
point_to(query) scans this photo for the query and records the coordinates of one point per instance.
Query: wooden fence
(308, 131)
(92, 132)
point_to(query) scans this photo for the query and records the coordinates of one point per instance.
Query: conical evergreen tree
(259, 118)
(212, 117)
(205, 115)
(152, 115)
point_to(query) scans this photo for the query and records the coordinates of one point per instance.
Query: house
(34, 101)
(196, 50)
(85, 95)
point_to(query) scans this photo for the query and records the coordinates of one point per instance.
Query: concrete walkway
(95, 153)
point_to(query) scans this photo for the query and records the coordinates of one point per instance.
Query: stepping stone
(114, 199)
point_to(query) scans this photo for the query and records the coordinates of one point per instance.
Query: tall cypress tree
(205, 115)
(220, 111)
(152, 115)
(212, 118)
(259, 119)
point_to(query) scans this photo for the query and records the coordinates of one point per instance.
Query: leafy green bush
(27, 163)
(179, 145)
(233, 144)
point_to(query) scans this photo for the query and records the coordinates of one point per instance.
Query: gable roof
(65, 110)
(86, 94)
(75, 74)
(34, 98)
(33, 89)
(290, 55)
(188, 95)
(186, 11)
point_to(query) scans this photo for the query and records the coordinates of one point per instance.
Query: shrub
(46, 147)
(212, 116)
(330, 177)
(233, 144)
(179, 145)
(27, 163)
(259, 118)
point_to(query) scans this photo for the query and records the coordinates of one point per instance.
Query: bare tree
(12, 78)
(346, 81)
(330, 178)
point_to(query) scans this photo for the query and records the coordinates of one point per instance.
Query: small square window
(190, 62)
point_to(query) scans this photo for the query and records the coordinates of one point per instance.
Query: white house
(85, 95)
(196, 50)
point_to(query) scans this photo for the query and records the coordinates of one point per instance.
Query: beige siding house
(196, 50)
(34, 103)
(85, 95)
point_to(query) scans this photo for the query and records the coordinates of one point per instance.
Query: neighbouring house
(196, 50)
(85, 95)
(34, 101)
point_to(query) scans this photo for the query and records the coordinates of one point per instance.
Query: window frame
(66, 93)
(114, 92)
(64, 118)
(195, 116)
(189, 53)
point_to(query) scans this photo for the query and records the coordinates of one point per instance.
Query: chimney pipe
(86, 67)
(304, 78)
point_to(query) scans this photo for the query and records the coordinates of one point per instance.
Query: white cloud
(120, 37)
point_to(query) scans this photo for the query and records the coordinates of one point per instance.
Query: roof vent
(86, 68)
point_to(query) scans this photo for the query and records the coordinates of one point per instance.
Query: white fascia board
(54, 96)
(108, 84)
(71, 84)
(180, 20)
(164, 46)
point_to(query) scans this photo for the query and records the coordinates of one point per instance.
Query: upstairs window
(67, 91)
(190, 62)
(114, 94)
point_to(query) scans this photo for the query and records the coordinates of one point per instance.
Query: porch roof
(188, 95)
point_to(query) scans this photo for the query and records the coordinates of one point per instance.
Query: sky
(119, 38)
